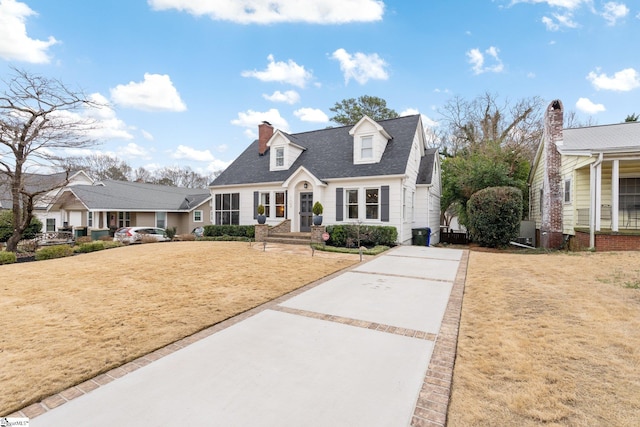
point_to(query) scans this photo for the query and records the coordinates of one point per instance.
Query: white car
(136, 234)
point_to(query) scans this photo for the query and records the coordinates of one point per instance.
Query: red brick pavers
(433, 401)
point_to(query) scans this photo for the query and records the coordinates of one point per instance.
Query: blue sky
(188, 81)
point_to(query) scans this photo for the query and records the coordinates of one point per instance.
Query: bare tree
(181, 177)
(475, 124)
(571, 120)
(101, 166)
(38, 117)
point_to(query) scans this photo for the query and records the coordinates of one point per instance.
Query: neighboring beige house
(585, 184)
(112, 204)
(373, 173)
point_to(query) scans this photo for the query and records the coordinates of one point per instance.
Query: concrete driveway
(371, 346)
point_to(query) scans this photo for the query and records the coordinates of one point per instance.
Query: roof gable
(328, 155)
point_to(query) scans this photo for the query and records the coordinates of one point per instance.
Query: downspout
(592, 211)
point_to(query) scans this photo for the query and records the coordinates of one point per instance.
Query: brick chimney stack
(551, 222)
(265, 132)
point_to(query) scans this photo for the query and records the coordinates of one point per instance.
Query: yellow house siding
(534, 198)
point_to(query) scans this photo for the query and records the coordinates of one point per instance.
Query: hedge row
(229, 230)
(353, 235)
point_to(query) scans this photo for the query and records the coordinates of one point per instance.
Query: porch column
(615, 193)
(598, 196)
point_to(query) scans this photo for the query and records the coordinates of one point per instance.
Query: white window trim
(564, 191)
(377, 219)
(347, 204)
(201, 216)
(165, 220)
(279, 150)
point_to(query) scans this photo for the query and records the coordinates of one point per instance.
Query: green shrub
(7, 257)
(494, 216)
(354, 235)
(50, 252)
(6, 226)
(171, 232)
(83, 248)
(373, 251)
(229, 230)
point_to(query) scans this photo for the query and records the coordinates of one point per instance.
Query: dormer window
(279, 156)
(366, 147)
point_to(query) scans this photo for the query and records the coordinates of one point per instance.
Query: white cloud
(614, 11)
(251, 119)
(222, 148)
(311, 115)
(622, 81)
(426, 121)
(587, 106)
(559, 21)
(101, 120)
(567, 4)
(133, 150)
(278, 11)
(283, 72)
(217, 165)
(360, 66)
(15, 44)
(289, 96)
(477, 60)
(146, 135)
(155, 93)
(189, 153)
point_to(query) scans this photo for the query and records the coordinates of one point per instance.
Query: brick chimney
(265, 132)
(551, 219)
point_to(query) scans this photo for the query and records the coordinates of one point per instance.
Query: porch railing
(54, 237)
(628, 219)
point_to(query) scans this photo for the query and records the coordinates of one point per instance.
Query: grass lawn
(66, 320)
(549, 339)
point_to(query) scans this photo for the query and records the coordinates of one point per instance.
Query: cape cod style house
(585, 185)
(372, 173)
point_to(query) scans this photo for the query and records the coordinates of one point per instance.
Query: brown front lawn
(549, 339)
(66, 320)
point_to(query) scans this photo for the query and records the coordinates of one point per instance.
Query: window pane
(235, 201)
(218, 202)
(353, 212)
(372, 211)
(235, 218)
(352, 196)
(372, 196)
(279, 198)
(226, 202)
(280, 211)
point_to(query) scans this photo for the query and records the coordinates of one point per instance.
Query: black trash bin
(419, 236)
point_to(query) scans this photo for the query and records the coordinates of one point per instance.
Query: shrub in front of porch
(246, 231)
(354, 235)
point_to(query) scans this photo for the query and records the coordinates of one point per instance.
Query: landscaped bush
(7, 257)
(494, 216)
(50, 252)
(92, 246)
(95, 245)
(373, 251)
(354, 235)
(247, 231)
(185, 237)
(6, 226)
(83, 239)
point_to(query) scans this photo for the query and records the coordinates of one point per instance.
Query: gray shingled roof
(425, 173)
(135, 196)
(616, 137)
(34, 182)
(328, 154)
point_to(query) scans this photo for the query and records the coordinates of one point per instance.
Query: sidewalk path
(371, 346)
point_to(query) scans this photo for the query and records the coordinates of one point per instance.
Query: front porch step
(290, 238)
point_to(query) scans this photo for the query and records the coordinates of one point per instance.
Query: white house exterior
(372, 173)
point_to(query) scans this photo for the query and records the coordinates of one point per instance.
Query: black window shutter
(339, 208)
(286, 204)
(384, 214)
(256, 198)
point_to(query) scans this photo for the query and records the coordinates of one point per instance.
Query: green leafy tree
(6, 226)
(632, 118)
(350, 111)
(487, 143)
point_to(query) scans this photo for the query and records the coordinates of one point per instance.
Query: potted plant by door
(317, 213)
(261, 216)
